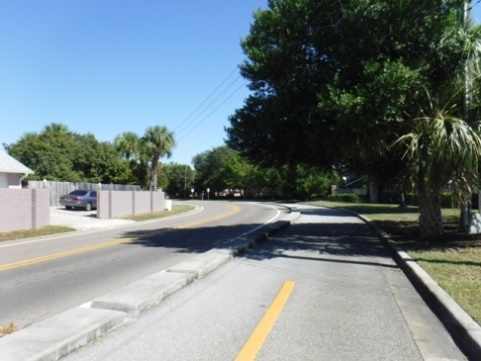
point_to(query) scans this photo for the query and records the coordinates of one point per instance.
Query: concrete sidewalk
(56, 337)
(350, 302)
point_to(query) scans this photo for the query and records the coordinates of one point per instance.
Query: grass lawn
(176, 209)
(27, 233)
(453, 261)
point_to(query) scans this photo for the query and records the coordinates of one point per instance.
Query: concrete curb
(55, 337)
(202, 264)
(59, 335)
(463, 329)
(139, 296)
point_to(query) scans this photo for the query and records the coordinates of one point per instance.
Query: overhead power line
(208, 106)
(213, 111)
(472, 6)
(188, 151)
(205, 100)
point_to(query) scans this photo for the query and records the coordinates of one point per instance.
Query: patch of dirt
(6, 330)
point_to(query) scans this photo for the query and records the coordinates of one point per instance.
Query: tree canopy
(340, 82)
(58, 154)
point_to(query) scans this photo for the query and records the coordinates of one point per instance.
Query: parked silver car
(79, 199)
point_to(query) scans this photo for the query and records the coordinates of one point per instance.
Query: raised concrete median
(59, 335)
(55, 337)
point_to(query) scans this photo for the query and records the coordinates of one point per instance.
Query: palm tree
(442, 149)
(128, 144)
(158, 142)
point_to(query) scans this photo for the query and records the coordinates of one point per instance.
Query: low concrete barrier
(24, 209)
(112, 204)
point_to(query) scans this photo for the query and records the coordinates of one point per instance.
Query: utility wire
(206, 108)
(205, 100)
(212, 112)
(188, 151)
(472, 6)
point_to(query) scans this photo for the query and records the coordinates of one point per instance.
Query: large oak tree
(343, 81)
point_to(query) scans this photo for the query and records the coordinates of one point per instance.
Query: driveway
(83, 220)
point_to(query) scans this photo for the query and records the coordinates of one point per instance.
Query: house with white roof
(12, 171)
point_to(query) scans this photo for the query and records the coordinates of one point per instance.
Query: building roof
(9, 164)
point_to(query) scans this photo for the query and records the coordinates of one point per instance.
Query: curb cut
(462, 328)
(59, 335)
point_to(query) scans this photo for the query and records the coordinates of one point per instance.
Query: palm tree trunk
(430, 219)
(155, 165)
(154, 178)
(465, 213)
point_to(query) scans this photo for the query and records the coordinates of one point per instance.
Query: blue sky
(109, 66)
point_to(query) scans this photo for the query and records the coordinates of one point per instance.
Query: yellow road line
(235, 209)
(53, 256)
(72, 252)
(258, 337)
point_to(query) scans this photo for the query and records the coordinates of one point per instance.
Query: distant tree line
(58, 154)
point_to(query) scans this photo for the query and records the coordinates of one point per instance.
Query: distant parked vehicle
(79, 199)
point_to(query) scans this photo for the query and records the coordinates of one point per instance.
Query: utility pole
(185, 182)
(465, 206)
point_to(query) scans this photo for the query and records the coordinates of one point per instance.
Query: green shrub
(446, 200)
(347, 198)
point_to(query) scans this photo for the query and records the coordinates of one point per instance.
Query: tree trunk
(402, 200)
(465, 213)
(155, 165)
(430, 219)
(153, 178)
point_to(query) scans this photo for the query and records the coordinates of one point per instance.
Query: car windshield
(78, 193)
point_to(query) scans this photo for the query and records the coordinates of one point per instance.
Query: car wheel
(88, 207)
(68, 207)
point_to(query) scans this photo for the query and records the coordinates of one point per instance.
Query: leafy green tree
(422, 102)
(272, 182)
(158, 142)
(50, 154)
(343, 81)
(58, 154)
(280, 122)
(313, 183)
(99, 162)
(180, 179)
(222, 169)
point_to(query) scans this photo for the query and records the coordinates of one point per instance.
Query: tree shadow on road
(333, 236)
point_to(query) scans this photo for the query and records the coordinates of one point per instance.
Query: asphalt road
(45, 276)
(323, 289)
